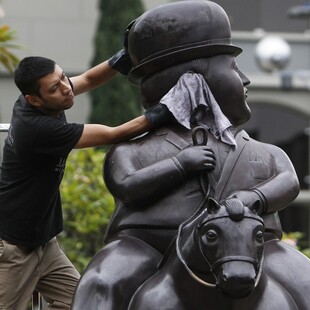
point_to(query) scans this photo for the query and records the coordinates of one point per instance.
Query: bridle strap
(192, 274)
(180, 254)
(235, 258)
(218, 217)
(218, 262)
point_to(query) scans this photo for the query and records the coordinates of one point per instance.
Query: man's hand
(121, 62)
(159, 115)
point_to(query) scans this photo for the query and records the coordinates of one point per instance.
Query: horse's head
(225, 240)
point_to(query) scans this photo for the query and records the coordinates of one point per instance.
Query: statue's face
(227, 84)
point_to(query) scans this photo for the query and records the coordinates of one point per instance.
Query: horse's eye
(211, 235)
(259, 236)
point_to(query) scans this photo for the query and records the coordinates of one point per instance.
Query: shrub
(87, 206)
(293, 239)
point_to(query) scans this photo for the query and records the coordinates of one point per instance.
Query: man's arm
(100, 74)
(97, 134)
(92, 78)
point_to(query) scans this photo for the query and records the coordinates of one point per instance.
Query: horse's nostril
(237, 282)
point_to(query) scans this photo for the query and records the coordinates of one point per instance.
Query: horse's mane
(235, 209)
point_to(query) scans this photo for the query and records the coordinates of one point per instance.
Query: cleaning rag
(192, 93)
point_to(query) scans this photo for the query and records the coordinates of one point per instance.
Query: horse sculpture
(216, 264)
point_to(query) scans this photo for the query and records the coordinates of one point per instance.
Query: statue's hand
(250, 199)
(196, 158)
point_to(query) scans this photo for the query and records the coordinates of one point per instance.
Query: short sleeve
(57, 137)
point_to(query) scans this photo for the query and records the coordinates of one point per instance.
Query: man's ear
(33, 100)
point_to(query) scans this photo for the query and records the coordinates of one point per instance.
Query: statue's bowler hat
(178, 32)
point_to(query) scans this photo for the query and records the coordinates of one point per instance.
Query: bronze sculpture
(156, 179)
(206, 268)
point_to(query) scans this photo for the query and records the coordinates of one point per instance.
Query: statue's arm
(278, 191)
(283, 187)
(134, 183)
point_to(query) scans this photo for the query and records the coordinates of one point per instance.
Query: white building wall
(60, 30)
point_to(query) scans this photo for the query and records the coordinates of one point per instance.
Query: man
(158, 184)
(35, 152)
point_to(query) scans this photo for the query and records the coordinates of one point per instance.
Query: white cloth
(192, 93)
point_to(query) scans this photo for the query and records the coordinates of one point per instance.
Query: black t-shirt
(34, 158)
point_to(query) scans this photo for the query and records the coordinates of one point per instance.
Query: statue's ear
(212, 205)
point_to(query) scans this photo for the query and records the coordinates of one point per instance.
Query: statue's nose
(237, 279)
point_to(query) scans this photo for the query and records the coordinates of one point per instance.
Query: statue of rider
(182, 56)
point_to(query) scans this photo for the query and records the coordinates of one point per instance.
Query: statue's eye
(211, 235)
(259, 236)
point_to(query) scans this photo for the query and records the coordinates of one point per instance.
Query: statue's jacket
(153, 194)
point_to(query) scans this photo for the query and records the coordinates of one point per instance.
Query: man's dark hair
(29, 71)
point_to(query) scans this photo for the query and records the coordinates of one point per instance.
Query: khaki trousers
(46, 269)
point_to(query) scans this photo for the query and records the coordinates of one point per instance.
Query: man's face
(56, 93)
(227, 84)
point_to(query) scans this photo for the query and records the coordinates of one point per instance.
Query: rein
(204, 179)
(180, 254)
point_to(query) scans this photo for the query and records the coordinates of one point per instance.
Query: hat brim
(169, 58)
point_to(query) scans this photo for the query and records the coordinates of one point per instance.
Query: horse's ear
(212, 205)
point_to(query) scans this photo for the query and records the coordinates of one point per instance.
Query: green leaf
(7, 58)
(87, 206)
